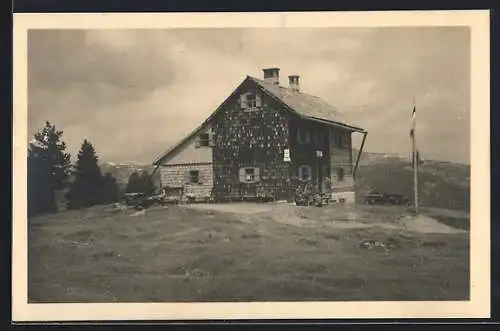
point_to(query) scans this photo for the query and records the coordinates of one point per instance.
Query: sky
(134, 93)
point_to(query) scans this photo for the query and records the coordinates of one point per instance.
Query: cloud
(135, 92)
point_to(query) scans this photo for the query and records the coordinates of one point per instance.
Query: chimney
(294, 82)
(272, 75)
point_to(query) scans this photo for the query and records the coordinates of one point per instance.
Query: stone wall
(251, 138)
(179, 175)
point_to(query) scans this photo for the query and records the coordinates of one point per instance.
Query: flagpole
(415, 157)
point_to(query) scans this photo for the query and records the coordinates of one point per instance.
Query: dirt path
(339, 217)
(425, 224)
(235, 207)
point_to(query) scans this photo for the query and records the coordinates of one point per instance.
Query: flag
(413, 115)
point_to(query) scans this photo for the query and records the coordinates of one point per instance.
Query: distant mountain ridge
(369, 157)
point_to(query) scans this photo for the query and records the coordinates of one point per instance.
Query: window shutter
(258, 100)
(211, 139)
(309, 173)
(257, 174)
(200, 177)
(243, 101)
(197, 142)
(242, 175)
(300, 172)
(187, 177)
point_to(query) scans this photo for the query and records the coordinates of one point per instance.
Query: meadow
(244, 252)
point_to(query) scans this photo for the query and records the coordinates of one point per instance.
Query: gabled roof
(305, 105)
(302, 104)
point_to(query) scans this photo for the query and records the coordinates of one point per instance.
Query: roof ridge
(258, 80)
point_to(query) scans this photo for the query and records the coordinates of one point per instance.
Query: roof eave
(333, 123)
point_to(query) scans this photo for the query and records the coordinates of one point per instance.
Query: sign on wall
(286, 155)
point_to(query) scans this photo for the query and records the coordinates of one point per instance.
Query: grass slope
(292, 253)
(441, 184)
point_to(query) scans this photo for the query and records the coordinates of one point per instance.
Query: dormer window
(250, 101)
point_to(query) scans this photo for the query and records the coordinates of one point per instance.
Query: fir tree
(86, 189)
(133, 184)
(48, 169)
(147, 186)
(140, 183)
(109, 189)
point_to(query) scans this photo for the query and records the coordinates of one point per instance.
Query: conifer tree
(147, 186)
(133, 184)
(86, 189)
(109, 189)
(48, 169)
(140, 183)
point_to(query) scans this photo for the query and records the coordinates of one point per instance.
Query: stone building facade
(264, 141)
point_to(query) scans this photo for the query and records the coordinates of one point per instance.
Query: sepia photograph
(250, 164)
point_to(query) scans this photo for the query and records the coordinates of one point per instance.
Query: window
(345, 140)
(318, 138)
(341, 140)
(305, 173)
(249, 174)
(303, 136)
(194, 176)
(340, 174)
(250, 101)
(204, 140)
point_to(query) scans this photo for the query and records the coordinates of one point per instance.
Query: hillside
(441, 184)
